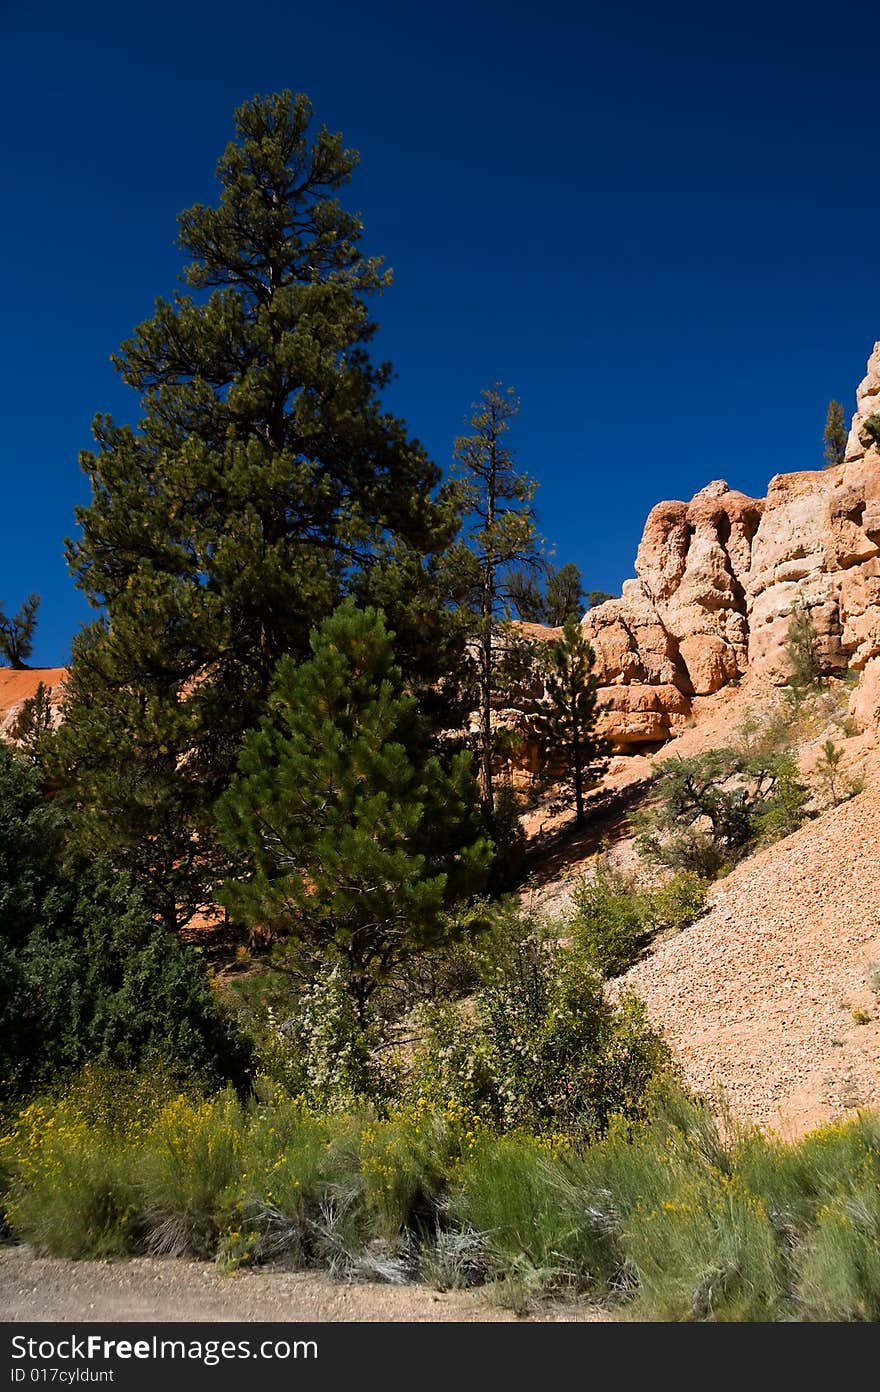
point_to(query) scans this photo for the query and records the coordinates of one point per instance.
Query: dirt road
(146, 1288)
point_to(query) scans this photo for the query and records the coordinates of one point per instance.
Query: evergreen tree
(802, 648)
(565, 721)
(834, 435)
(358, 839)
(17, 635)
(33, 726)
(264, 482)
(526, 596)
(561, 598)
(85, 974)
(500, 541)
(596, 597)
(564, 595)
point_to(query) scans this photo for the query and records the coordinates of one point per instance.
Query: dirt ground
(149, 1288)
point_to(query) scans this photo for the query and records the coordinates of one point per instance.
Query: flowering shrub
(322, 1050)
(662, 1211)
(541, 1047)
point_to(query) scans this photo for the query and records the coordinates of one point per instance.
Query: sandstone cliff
(716, 581)
(16, 687)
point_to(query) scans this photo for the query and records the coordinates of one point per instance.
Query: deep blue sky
(658, 222)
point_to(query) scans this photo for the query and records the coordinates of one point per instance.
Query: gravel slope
(756, 998)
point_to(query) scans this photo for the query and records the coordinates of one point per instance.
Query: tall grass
(664, 1217)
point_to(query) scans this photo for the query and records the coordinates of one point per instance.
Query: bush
(322, 1050)
(614, 920)
(539, 1228)
(112, 988)
(609, 924)
(86, 975)
(839, 1264)
(802, 649)
(714, 808)
(541, 1046)
(72, 1186)
(707, 1251)
(661, 1211)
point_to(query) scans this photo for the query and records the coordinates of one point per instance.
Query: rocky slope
(772, 997)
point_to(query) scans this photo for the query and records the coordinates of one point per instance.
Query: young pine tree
(34, 726)
(834, 435)
(17, 634)
(500, 541)
(802, 648)
(264, 481)
(358, 839)
(566, 720)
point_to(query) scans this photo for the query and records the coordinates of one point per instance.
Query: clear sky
(659, 222)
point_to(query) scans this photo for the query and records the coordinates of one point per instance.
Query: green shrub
(541, 1047)
(72, 1173)
(614, 919)
(713, 808)
(322, 1049)
(537, 1221)
(665, 1211)
(839, 1264)
(609, 924)
(804, 658)
(872, 427)
(86, 975)
(706, 1251)
(190, 1162)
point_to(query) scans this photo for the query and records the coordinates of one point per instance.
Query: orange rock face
(717, 579)
(18, 687)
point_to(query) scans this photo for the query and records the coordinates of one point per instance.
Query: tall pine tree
(264, 482)
(500, 542)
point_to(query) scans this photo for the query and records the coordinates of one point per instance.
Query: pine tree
(17, 635)
(264, 482)
(564, 595)
(565, 722)
(802, 649)
(834, 435)
(561, 598)
(500, 539)
(34, 725)
(596, 597)
(357, 837)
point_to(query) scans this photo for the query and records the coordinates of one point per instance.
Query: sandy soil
(147, 1288)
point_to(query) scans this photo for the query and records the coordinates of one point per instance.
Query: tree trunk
(577, 765)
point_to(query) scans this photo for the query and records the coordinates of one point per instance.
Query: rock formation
(16, 687)
(716, 581)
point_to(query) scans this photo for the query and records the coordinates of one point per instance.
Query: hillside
(757, 997)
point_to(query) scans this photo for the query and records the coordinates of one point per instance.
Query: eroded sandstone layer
(716, 581)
